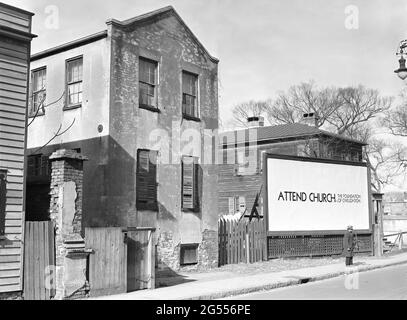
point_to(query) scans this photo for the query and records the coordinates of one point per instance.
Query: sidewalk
(221, 284)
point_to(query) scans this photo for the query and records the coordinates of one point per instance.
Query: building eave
(70, 45)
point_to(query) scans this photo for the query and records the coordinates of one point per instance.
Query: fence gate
(242, 241)
(107, 263)
(39, 260)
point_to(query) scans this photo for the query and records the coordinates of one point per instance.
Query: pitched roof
(156, 14)
(153, 15)
(288, 131)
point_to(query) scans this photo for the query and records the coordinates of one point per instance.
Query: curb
(282, 284)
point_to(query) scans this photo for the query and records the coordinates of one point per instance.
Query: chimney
(310, 119)
(255, 121)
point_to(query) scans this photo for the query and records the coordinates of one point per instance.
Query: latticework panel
(313, 245)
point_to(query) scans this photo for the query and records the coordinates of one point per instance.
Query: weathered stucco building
(135, 99)
(15, 38)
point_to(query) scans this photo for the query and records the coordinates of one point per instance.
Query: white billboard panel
(316, 196)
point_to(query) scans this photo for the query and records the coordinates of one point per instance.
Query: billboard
(307, 195)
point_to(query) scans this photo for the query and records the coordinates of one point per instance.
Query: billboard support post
(378, 226)
(247, 245)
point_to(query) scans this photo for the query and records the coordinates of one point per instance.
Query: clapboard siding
(15, 18)
(14, 66)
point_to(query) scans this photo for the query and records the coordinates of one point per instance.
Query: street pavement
(215, 285)
(384, 284)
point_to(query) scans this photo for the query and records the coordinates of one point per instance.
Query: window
(242, 161)
(38, 88)
(3, 192)
(38, 165)
(190, 183)
(237, 204)
(147, 83)
(246, 161)
(146, 188)
(188, 254)
(189, 95)
(74, 76)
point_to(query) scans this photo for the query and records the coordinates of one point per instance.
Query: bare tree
(247, 109)
(395, 119)
(290, 106)
(41, 107)
(348, 111)
(340, 110)
(387, 162)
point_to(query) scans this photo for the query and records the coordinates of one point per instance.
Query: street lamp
(402, 70)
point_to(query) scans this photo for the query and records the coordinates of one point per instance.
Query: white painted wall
(95, 105)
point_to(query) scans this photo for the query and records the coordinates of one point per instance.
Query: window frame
(195, 185)
(188, 246)
(155, 84)
(32, 112)
(196, 115)
(67, 105)
(143, 204)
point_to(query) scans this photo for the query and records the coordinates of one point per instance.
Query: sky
(263, 46)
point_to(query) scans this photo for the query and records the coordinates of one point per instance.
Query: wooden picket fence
(242, 241)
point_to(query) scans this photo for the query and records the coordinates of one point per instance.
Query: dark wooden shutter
(3, 192)
(146, 187)
(190, 183)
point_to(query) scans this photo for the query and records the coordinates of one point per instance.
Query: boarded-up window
(3, 192)
(147, 83)
(190, 183)
(190, 94)
(146, 180)
(38, 89)
(74, 76)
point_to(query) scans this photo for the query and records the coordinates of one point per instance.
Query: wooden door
(107, 263)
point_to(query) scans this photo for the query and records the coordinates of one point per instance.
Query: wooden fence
(107, 263)
(39, 260)
(242, 241)
(122, 260)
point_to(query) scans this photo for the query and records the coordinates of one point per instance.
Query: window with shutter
(3, 192)
(189, 183)
(146, 188)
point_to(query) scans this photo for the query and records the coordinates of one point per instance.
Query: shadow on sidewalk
(168, 278)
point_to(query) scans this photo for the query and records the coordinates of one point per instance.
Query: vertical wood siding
(13, 101)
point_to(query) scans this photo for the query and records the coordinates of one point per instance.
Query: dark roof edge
(311, 134)
(18, 34)
(150, 15)
(69, 45)
(2, 4)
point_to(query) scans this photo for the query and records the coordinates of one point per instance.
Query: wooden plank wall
(14, 67)
(237, 239)
(107, 263)
(39, 260)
